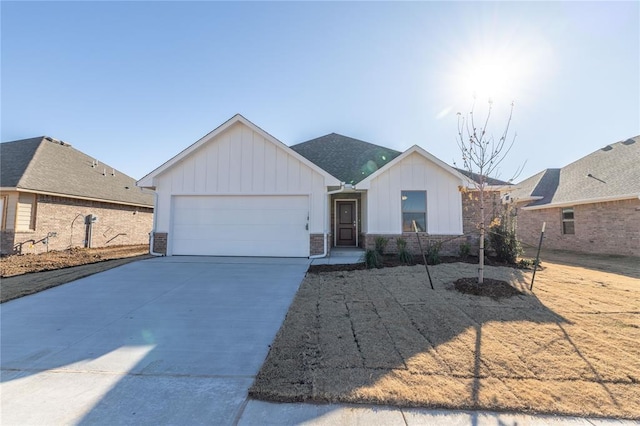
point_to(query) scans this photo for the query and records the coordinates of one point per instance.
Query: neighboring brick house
(53, 197)
(591, 205)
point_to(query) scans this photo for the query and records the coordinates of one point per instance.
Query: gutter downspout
(153, 230)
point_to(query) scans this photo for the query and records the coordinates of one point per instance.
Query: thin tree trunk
(481, 254)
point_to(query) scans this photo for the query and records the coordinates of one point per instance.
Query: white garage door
(241, 226)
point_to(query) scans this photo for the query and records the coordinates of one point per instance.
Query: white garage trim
(240, 225)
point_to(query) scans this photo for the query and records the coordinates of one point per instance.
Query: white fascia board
(8, 189)
(366, 183)
(148, 181)
(585, 201)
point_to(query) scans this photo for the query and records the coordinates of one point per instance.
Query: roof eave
(583, 201)
(80, 197)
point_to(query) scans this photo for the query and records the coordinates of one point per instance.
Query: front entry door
(346, 226)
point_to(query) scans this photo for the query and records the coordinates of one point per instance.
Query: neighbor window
(414, 209)
(567, 221)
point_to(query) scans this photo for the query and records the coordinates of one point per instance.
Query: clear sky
(134, 83)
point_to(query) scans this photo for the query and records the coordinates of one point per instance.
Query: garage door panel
(262, 217)
(240, 225)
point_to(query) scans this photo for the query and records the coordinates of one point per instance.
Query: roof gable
(350, 160)
(149, 181)
(364, 184)
(609, 173)
(45, 165)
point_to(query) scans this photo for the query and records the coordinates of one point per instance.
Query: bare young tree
(481, 156)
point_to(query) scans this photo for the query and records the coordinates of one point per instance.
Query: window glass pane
(568, 228)
(414, 201)
(407, 222)
(567, 213)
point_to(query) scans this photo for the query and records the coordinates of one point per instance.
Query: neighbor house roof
(610, 173)
(350, 160)
(46, 165)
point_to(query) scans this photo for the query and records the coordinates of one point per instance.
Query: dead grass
(384, 337)
(23, 275)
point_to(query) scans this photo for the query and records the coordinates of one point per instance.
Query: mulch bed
(495, 289)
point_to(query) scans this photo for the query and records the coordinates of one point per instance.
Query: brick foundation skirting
(160, 242)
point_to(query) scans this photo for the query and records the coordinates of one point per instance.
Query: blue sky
(134, 83)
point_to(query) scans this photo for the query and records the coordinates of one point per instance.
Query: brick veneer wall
(116, 225)
(471, 209)
(316, 243)
(160, 242)
(6, 241)
(600, 228)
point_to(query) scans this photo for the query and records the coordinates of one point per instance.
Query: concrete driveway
(161, 341)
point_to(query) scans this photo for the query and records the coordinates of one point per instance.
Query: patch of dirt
(495, 289)
(32, 273)
(28, 263)
(382, 336)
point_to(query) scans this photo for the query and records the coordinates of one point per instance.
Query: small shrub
(372, 259)
(527, 263)
(433, 253)
(403, 254)
(381, 243)
(504, 242)
(465, 250)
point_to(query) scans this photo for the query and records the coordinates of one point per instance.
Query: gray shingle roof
(45, 165)
(348, 159)
(351, 160)
(612, 171)
(476, 177)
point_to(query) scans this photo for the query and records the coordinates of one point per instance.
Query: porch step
(341, 256)
(346, 251)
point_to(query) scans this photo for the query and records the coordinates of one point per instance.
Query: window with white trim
(414, 209)
(568, 227)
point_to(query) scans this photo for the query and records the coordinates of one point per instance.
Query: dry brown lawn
(383, 336)
(23, 275)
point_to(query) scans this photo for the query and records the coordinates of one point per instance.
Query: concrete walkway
(341, 256)
(174, 341)
(264, 413)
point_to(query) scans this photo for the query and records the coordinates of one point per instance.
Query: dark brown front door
(346, 221)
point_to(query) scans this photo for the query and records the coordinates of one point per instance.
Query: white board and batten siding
(251, 185)
(415, 173)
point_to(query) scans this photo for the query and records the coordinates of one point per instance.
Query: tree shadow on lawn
(383, 336)
(614, 264)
